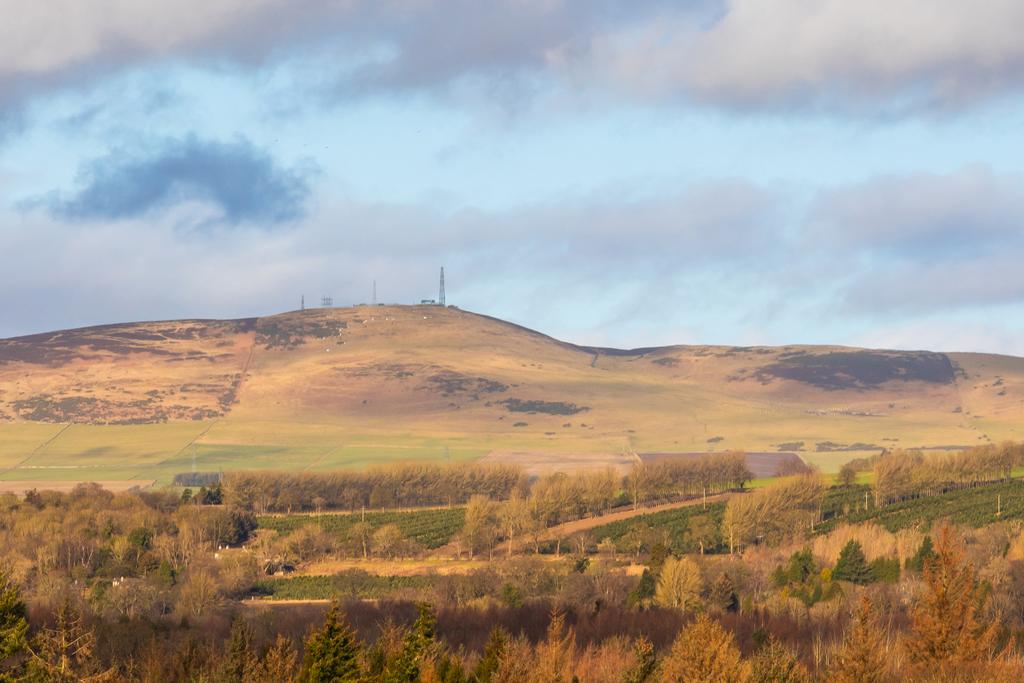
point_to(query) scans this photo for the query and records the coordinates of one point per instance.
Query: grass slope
(347, 387)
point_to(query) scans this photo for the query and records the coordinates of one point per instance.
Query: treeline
(802, 504)
(900, 475)
(558, 497)
(686, 478)
(383, 487)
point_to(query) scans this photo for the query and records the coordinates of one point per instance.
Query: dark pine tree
(852, 565)
(925, 553)
(239, 653)
(332, 653)
(490, 660)
(646, 662)
(13, 630)
(418, 641)
(723, 594)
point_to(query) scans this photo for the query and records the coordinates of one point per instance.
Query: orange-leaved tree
(945, 627)
(863, 656)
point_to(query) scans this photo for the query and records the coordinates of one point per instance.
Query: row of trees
(560, 497)
(685, 478)
(900, 475)
(409, 485)
(792, 506)
(386, 486)
(553, 499)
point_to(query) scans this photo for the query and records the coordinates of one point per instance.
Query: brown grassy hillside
(348, 386)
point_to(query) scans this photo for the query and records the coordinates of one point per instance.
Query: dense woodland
(801, 580)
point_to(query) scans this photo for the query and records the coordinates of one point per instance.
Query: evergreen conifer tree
(490, 660)
(332, 653)
(925, 553)
(13, 630)
(238, 655)
(646, 662)
(852, 565)
(723, 593)
(415, 647)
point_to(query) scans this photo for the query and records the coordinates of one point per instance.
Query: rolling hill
(343, 387)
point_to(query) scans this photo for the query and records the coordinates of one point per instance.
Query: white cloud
(44, 37)
(832, 53)
(163, 265)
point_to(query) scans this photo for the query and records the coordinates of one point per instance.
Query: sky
(623, 173)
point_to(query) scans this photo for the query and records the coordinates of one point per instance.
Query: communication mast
(374, 302)
(302, 304)
(440, 294)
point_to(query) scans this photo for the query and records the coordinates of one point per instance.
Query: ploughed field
(348, 387)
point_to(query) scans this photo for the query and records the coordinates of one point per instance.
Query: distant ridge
(350, 386)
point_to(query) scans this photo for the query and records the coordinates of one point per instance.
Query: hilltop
(327, 388)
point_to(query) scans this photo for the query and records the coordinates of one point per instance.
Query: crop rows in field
(673, 528)
(353, 584)
(841, 500)
(974, 507)
(429, 528)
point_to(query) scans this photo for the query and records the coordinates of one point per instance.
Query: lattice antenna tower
(302, 303)
(440, 294)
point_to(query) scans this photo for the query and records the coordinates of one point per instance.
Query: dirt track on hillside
(576, 526)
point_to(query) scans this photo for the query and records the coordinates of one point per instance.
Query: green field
(429, 528)
(672, 528)
(159, 451)
(974, 507)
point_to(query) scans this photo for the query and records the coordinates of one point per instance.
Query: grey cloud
(872, 56)
(241, 182)
(714, 258)
(923, 215)
(713, 223)
(428, 44)
(932, 288)
(918, 243)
